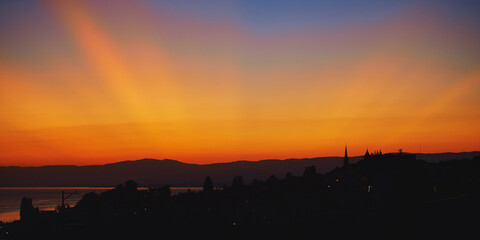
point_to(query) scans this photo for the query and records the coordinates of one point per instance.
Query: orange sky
(86, 84)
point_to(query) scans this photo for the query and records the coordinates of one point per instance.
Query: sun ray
(103, 54)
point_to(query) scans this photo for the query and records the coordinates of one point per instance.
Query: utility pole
(69, 194)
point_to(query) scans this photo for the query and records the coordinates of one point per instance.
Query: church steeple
(367, 155)
(345, 159)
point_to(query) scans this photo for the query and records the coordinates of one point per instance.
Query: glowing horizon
(88, 82)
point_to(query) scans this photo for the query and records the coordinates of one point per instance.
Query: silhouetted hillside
(382, 196)
(438, 157)
(151, 172)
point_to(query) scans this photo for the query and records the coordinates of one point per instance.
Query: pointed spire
(345, 159)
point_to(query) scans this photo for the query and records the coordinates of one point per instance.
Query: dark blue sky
(278, 15)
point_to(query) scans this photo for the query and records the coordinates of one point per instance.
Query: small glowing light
(328, 186)
(145, 209)
(234, 224)
(369, 189)
(337, 180)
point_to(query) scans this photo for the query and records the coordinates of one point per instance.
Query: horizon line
(267, 159)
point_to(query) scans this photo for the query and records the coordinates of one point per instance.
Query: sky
(94, 82)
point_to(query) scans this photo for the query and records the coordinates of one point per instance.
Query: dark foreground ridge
(382, 196)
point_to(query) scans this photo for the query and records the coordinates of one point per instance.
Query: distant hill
(438, 157)
(152, 172)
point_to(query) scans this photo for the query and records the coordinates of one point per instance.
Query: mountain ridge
(154, 172)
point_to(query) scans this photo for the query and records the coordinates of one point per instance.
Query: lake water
(48, 198)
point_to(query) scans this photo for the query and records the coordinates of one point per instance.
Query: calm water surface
(48, 198)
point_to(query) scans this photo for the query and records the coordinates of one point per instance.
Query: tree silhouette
(237, 182)
(208, 184)
(131, 186)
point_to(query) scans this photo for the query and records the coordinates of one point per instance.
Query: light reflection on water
(48, 198)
